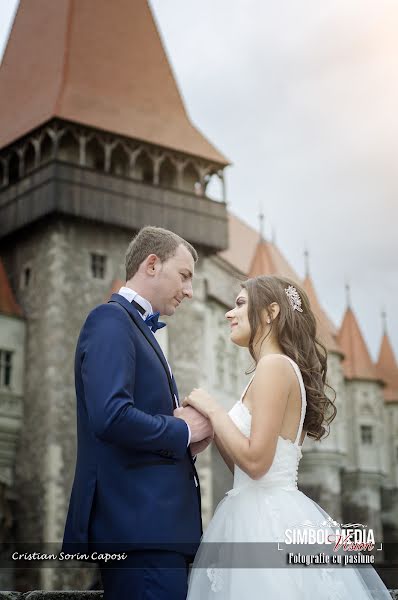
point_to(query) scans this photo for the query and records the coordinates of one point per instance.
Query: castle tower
(388, 371)
(365, 469)
(320, 468)
(95, 142)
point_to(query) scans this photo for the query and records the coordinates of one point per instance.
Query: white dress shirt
(131, 295)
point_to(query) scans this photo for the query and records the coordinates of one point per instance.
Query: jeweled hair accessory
(294, 298)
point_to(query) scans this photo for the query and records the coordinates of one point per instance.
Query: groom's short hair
(153, 240)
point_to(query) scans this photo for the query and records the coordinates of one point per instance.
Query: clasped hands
(194, 412)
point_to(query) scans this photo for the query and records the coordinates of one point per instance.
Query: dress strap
(303, 396)
(247, 387)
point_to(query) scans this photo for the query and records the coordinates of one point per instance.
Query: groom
(136, 489)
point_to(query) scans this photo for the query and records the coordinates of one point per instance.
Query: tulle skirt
(245, 530)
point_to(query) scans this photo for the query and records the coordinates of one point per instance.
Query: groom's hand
(198, 447)
(199, 425)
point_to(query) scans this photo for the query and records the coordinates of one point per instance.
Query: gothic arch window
(143, 169)
(214, 187)
(119, 161)
(13, 168)
(2, 172)
(95, 156)
(167, 173)
(30, 158)
(68, 148)
(46, 149)
(190, 179)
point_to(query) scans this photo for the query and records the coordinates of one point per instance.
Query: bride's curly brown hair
(297, 335)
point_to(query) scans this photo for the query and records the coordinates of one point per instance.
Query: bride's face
(239, 320)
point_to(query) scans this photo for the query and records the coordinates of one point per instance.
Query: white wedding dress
(260, 511)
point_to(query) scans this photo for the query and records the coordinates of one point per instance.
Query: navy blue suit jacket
(134, 485)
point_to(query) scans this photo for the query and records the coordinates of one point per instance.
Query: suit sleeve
(108, 374)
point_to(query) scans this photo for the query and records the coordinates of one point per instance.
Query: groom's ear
(151, 265)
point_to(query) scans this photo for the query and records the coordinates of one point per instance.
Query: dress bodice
(284, 468)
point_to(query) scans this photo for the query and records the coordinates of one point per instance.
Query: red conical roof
(327, 332)
(8, 304)
(388, 370)
(357, 363)
(98, 63)
(268, 260)
(243, 241)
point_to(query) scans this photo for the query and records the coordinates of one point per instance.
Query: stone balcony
(67, 169)
(63, 189)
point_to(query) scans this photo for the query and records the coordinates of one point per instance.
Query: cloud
(302, 97)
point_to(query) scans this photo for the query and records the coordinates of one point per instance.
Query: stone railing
(75, 595)
(41, 595)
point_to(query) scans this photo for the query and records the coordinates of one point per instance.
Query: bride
(260, 440)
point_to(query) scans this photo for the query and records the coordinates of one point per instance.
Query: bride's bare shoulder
(274, 368)
(270, 361)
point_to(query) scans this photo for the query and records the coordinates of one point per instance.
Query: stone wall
(61, 292)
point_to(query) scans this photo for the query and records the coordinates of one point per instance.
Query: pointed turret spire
(98, 63)
(261, 219)
(307, 262)
(387, 365)
(326, 330)
(348, 294)
(384, 321)
(357, 363)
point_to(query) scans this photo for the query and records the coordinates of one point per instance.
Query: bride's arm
(226, 458)
(269, 393)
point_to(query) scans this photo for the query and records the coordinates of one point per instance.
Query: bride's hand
(200, 400)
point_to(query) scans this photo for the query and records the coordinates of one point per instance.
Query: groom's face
(174, 281)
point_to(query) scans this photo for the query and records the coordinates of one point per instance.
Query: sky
(302, 98)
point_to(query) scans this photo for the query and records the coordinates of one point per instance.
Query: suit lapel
(136, 317)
